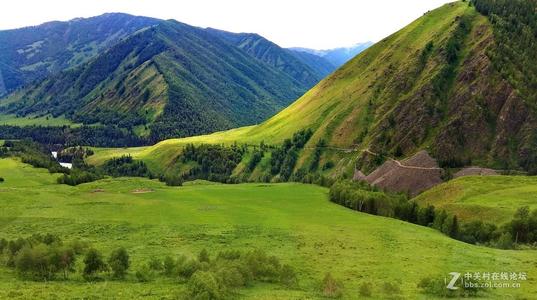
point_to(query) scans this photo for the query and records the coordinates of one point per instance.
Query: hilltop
(33, 53)
(155, 78)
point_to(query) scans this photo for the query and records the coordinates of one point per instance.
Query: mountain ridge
(215, 86)
(430, 86)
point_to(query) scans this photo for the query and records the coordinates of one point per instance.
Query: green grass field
(292, 221)
(31, 120)
(486, 198)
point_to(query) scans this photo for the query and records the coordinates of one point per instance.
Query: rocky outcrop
(475, 171)
(413, 175)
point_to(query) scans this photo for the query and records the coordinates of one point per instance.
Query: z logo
(454, 278)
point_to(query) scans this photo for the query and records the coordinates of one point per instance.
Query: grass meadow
(486, 198)
(294, 222)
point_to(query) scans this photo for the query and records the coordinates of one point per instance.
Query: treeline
(515, 28)
(213, 162)
(96, 136)
(514, 23)
(72, 154)
(207, 276)
(209, 162)
(217, 162)
(32, 153)
(126, 166)
(522, 229)
(39, 156)
(47, 257)
(284, 158)
(364, 198)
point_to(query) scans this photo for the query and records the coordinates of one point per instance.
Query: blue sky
(318, 24)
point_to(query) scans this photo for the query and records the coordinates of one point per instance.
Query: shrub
(505, 241)
(168, 266)
(144, 274)
(330, 287)
(93, 263)
(155, 264)
(288, 276)
(1, 179)
(203, 285)
(173, 180)
(188, 267)
(231, 276)
(119, 262)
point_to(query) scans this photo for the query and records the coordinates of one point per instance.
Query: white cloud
(306, 23)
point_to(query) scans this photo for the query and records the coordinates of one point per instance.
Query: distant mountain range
(337, 56)
(158, 78)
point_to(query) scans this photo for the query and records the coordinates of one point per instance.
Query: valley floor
(295, 222)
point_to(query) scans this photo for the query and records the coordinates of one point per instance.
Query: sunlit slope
(337, 108)
(430, 86)
(489, 198)
(295, 222)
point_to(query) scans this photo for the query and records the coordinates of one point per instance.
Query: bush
(188, 267)
(204, 286)
(144, 274)
(155, 264)
(173, 180)
(1, 179)
(505, 241)
(119, 262)
(288, 276)
(168, 266)
(231, 276)
(93, 263)
(330, 287)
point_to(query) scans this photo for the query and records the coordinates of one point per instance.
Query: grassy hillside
(31, 53)
(429, 86)
(169, 80)
(34, 120)
(489, 198)
(294, 222)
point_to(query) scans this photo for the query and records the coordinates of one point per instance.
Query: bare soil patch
(142, 191)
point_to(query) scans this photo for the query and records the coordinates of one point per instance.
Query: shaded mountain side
(168, 80)
(35, 52)
(305, 70)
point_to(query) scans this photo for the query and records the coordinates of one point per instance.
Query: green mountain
(168, 80)
(449, 83)
(32, 53)
(304, 69)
